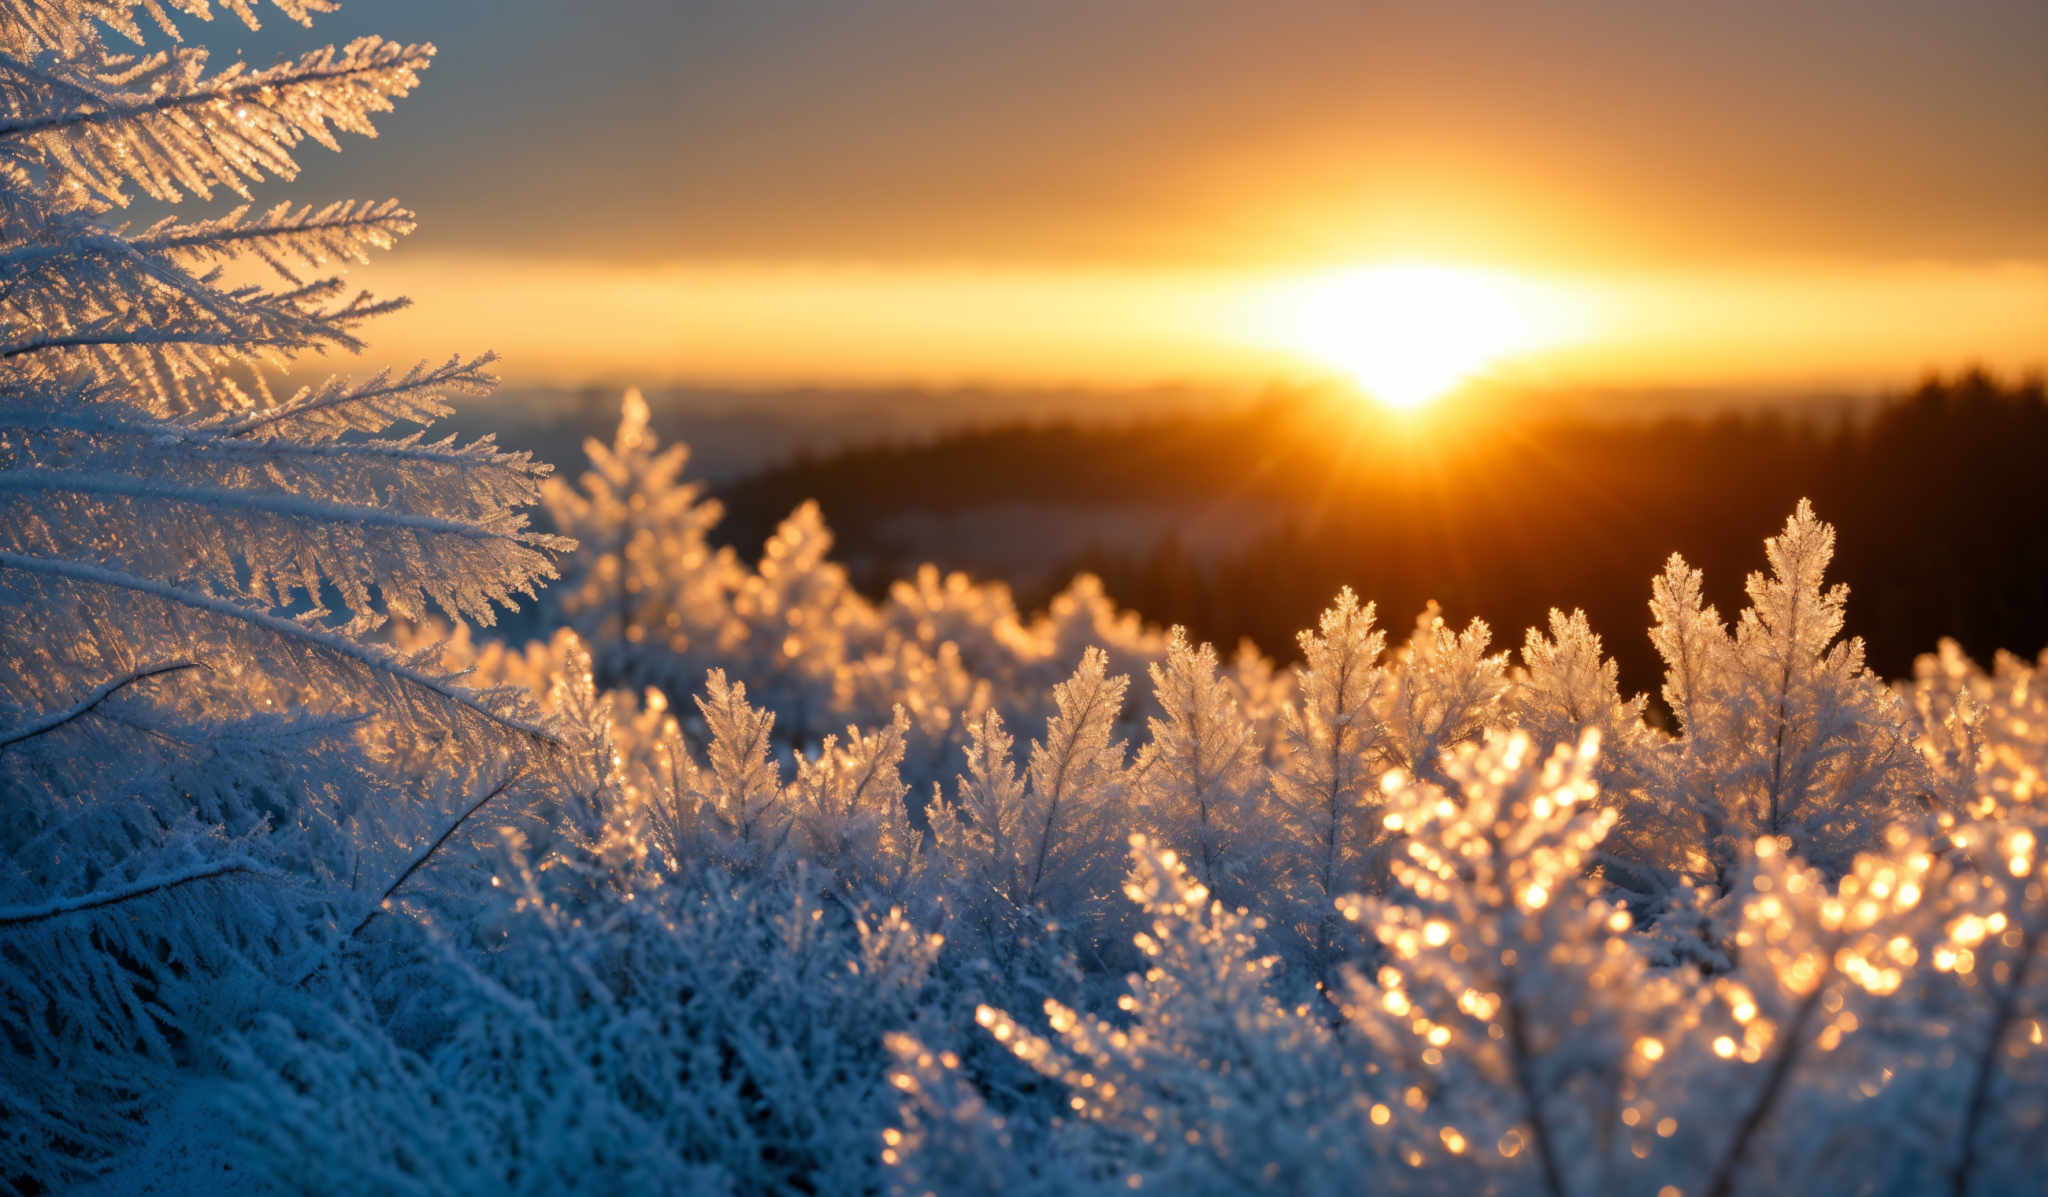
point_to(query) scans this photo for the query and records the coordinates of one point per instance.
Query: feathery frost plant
(1324, 792)
(1782, 733)
(642, 566)
(1203, 1083)
(1198, 783)
(201, 751)
(1512, 1004)
(1447, 691)
(1041, 848)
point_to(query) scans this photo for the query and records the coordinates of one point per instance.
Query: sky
(1625, 191)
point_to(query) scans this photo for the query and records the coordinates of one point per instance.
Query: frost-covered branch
(15, 916)
(338, 646)
(420, 859)
(416, 385)
(244, 499)
(1757, 1115)
(1986, 1065)
(159, 122)
(94, 697)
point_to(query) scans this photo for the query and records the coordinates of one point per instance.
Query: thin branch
(83, 482)
(250, 85)
(109, 339)
(420, 860)
(277, 625)
(1987, 1063)
(1539, 1127)
(94, 697)
(15, 916)
(1521, 1054)
(200, 236)
(81, 418)
(1781, 1071)
(455, 375)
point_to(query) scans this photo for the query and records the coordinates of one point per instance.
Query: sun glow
(1408, 334)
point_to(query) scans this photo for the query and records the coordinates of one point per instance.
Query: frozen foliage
(691, 1040)
(1198, 783)
(207, 764)
(1043, 847)
(1782, 733)
(741, 882)
(642, 566)
(659, 607)
(1324, 796)
(1422, 921)
(1204, 1082)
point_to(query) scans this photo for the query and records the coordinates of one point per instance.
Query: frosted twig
(94, 697)
(15, 916)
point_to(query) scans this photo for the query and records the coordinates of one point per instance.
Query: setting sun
(1408, 334)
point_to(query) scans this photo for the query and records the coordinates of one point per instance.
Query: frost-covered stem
(1518, 1044)
(289, 629)
(1201, 796)
(869, 772)
(1784, 712)
(1688, 717)
(174, 101)
(1052, 811)
(256, 232)
(15, 916)
(419, 861)
(1519, 1049)
(1332, 823)
(84, 340)
(18, 260)
(1777, 764)
(1774, 1086)
(94, 697)
(1059, 788)
(231, 498)
(455, 373)
(1987, 1063)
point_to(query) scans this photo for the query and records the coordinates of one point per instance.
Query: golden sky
(751, 324)
(1624, 191)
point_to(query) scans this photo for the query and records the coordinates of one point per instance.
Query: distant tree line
(1939, 494)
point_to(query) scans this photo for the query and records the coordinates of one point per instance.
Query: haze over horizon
(1750, 194)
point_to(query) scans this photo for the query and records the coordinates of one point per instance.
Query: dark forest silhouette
(1938, 495)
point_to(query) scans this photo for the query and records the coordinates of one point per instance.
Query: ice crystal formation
(742, 882)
